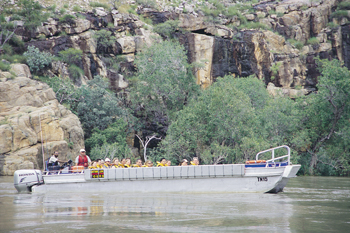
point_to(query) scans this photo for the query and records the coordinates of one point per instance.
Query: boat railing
(273, 159)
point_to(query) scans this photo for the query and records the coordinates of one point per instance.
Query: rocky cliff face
(32, 122)
(223, 50)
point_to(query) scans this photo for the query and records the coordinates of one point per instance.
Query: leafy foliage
(166, 29)
(71, 56)
(32, 12)
(104, 39)
(110, 142)
(37, 60)
(98, 107)
(66, 92)
(326, 119)
(67, 19)
(4, 66)
(230, 121)
(163, 84)
(75, 72)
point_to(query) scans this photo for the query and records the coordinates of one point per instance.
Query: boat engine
(25, 179)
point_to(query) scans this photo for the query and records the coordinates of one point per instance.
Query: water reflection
(307, 205)
(156, 212)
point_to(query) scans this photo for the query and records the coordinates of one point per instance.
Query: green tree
(327, 115)
(98, 107)
(71, 56)
(32, 12)
(231, 121)
(66, 93)
(214, 126)
(110, 142)
(166, 29)
(162, 85)
(37, 60)
(104, 40)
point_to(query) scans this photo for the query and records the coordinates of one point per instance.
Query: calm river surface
(308, 204)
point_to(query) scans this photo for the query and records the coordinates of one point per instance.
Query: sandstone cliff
(222, 47)
(32, 121)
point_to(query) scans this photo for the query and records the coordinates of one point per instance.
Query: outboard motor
(25, 179)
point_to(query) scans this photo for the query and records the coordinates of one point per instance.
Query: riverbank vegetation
(226, 123)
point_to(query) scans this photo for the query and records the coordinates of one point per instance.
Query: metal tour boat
(255, 176)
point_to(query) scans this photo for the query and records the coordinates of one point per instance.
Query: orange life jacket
(83, 161)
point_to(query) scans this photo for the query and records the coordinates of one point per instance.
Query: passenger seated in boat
(122, 163)
(54, 162)
(168, 163)
(148, 163)
(127, 163)
(138, 163)
(162, 163)
(195, 161)
(93, 165)
(184, 162)
(82, 159)
(115, 163)
(107, 163)
(100, 163)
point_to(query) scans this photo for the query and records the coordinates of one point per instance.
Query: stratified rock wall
(345, 34)
(32, 121)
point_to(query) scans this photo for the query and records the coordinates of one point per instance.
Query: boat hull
(237, 178)
(233, 184)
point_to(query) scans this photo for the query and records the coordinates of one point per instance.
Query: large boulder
(33, 125)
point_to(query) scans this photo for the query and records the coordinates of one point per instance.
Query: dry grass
(84, 5)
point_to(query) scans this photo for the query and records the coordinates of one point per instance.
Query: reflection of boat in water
(255, 176)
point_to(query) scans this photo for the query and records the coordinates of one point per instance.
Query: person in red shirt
(82, 159)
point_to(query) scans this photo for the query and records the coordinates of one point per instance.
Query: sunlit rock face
(32, 122)
(219, 45)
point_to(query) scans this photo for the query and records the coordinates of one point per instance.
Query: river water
(308, 204)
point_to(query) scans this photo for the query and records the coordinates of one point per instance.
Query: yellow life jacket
(99, 166)
(192, 163)
(135, 165)
(105, 165)
(144, 166)
(121, 165)
(160, 164)
(126, 166)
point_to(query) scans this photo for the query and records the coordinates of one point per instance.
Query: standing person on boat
(138, 163)
(82, 159)
(184, 162)
(162, 163)
(195, 161)
(168, 163)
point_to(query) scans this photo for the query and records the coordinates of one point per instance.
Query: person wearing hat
(184, 162)
(54, 160)
(107, 163)
(82, 159)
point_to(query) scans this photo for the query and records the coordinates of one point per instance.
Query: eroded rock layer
(32, 122)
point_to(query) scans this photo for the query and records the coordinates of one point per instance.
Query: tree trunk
(313, 164)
